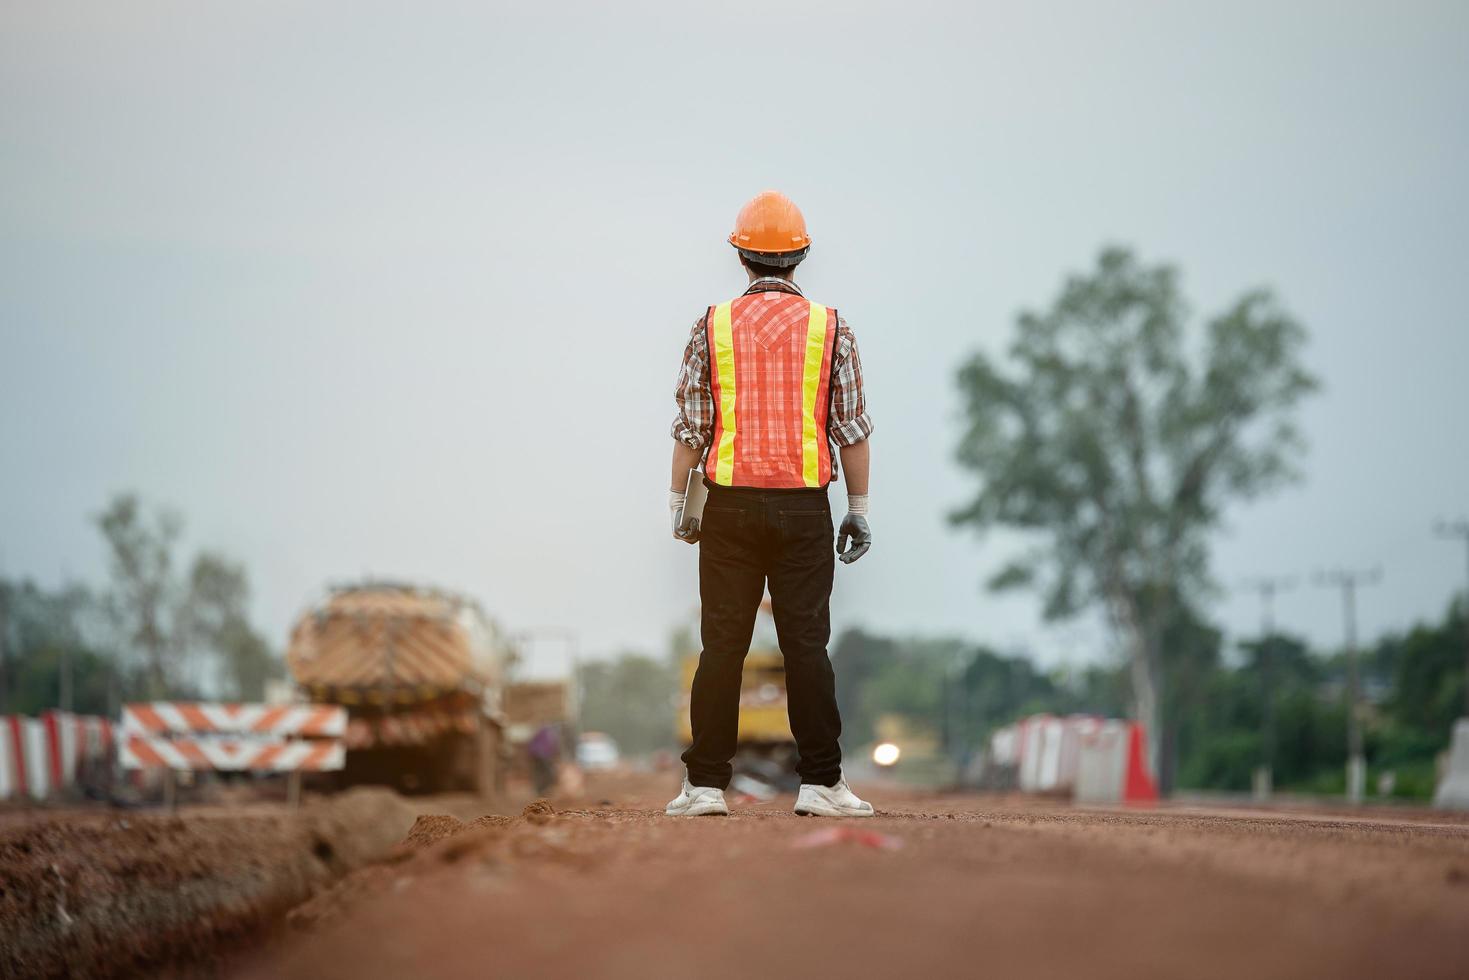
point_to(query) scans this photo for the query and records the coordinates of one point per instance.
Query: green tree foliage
(48, 654)
(630, 698)
(1190, 659)
(144, 599)
(956, 691)
(859, 658)
(1218, 709)
(215, 615)
(1118, 450)
(136, 641)
(1426, 669)
(1223, 735)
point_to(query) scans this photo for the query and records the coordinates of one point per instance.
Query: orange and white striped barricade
(193, 718)
(203, 736)
(12, 758)
(26, 769)
(73, 741)
(41, 757)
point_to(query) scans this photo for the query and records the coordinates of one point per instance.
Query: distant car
(596, 750)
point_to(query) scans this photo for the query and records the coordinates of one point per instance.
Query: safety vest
(770, 363)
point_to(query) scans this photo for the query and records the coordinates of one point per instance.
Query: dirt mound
(103, 895)
(430, 828)
(538, 812)
(435, 840)
(490, 820)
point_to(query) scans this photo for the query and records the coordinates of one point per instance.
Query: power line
(1267, 587)
(1348, 582)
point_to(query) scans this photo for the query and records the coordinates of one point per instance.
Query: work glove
(675, 512)
(854, 527)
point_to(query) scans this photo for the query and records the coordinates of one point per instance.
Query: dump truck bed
(401, 638)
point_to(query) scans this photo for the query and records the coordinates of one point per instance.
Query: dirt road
(948, 886)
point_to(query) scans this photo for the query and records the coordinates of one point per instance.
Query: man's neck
(768, 282)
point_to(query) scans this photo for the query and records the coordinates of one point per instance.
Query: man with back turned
(770, 400)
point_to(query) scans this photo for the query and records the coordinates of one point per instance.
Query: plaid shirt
(848, 424)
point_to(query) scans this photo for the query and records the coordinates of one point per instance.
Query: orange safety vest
(770, 364)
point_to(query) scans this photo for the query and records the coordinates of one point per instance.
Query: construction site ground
(602, 884)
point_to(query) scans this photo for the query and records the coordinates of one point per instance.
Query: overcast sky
(402, 289)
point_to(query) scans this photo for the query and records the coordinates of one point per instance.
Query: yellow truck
(421, 672)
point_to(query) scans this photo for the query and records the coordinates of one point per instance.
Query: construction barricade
(1453, 789)
(1045, 750)
(1112, 765)
(48, 756)
(200, 736)
(1093, 759)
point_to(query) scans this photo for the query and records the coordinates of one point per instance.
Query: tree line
(162, 627)
(1226, 712)
(1218, 702)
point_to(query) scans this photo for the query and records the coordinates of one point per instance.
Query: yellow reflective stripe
(810, 382)
(724, 365)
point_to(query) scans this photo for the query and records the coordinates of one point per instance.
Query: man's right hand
(675, 512)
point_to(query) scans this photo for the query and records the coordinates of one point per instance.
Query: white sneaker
(698, 801)
(831, 801)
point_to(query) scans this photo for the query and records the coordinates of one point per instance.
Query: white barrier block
(1032, 744)
(38, 758)
(1101, 765)
(1077, 727)
(9, 778)
(62, 728)
(1453, 792)
(1048, 771)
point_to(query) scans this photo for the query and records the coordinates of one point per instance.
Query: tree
(214, 614)
(859, 658)
(631, 699)
(1118, 451)
(52, 658)
(948, 688)
(164, 619)
(1426, 671)
(144, 598)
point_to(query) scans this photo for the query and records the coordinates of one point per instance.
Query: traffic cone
(1138, 785)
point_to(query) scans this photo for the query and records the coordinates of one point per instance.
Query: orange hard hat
(770, 224)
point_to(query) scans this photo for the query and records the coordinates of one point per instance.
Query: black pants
(751, 538)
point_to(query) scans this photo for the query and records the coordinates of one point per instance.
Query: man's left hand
(854, 526)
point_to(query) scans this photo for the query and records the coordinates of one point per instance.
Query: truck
(421, 672)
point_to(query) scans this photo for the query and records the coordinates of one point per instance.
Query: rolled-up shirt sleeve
(850, 423)
(694, 422)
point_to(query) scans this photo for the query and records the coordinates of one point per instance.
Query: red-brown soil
(370, 885)
(114, 893)
(966, 886)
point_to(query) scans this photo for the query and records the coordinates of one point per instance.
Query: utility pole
(1460, 529)
(1267, 587)
(1348, 582)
